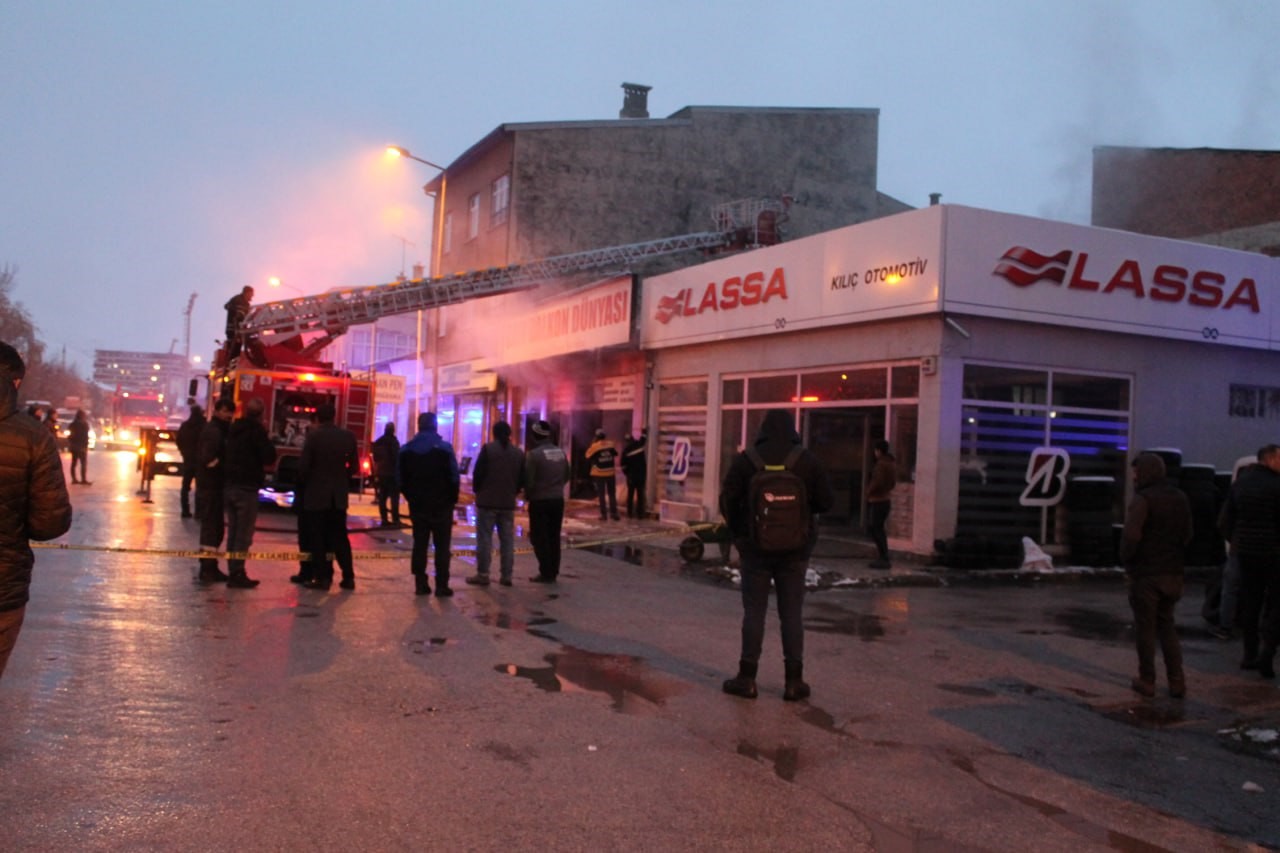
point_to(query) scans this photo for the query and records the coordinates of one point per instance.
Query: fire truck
(278, 364)
(131, 413)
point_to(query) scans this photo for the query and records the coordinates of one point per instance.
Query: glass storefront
(1009, 412)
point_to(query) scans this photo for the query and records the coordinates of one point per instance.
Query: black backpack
(778, 503)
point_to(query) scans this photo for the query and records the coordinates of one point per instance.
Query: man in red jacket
(33, 493)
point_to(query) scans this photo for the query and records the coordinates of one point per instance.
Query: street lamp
(276, 283)
(437, 248)
(397, 151)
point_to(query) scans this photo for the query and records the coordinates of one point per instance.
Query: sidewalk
(839, 561)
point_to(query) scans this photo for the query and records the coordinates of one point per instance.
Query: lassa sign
(1023, 267)
(751, 289)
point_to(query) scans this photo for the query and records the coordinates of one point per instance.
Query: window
(473, 216)
(1254, 401)
(500, 200)
(447, 243)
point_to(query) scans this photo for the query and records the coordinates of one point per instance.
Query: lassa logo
(1023, 267)
(750, 289)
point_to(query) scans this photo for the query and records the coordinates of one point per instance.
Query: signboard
(876, 270)
(466, 376)
(389, 388)
(1021, 268)
(590, 318)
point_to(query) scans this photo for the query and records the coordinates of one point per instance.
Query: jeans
(79, 458)
(877, 515)
(240, 504)
(213, 524)
(426, 527)
(505, 520)
(546, 517)
(10, 625)
(607, 491)
(787, 576)
(1153, 598)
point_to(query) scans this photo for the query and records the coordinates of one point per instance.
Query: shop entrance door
(842, 440)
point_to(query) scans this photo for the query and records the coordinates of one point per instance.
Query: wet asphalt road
(143, 711)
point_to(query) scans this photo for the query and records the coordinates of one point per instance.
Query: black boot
(744, 683)
(795, 688)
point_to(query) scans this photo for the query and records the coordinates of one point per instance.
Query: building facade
(1012, 363)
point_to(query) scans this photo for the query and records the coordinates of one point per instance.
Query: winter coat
(884, 476)
(78, 435)
(34, 504)
(429, 477)
(602, 456)
(386, 456)
(248, 453)
(1157, 525)
(330, 459)
(776, 438)
(209, 454)
(188, 438)
(634, 464)
(498, 476)
(1250, 518)
(546, 470)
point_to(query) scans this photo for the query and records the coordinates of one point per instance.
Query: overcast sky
(151, 150)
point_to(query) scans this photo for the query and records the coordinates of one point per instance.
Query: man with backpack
(770, 497)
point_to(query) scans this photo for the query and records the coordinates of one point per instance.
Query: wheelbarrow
(693, 546)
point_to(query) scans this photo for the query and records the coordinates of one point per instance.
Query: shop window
(863, 384)
(1254, 401)
(733, 392)
(1005, 384)
(732, 441)
(1091, 392)
(682, 429)
(771, 389)
(905, 380)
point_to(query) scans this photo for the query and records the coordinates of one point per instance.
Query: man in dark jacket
(188, 440)
(329, 460)
(884, 475)
(1250, 521)
(33, 494)
(786, 571)
(249, 452)
(546, 470)
(209, 481)
(497, 479)
(429, 482)
(237, 309)
(386, 462)
(78, 444)
(635, 467)
(1157, 529)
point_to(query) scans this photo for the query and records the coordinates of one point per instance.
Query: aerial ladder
(739, 225)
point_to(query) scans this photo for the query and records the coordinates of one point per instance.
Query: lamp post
(437, 248)
(275, 283)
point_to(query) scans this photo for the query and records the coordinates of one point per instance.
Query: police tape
(304, 556)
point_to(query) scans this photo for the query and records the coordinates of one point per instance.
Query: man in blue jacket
(429, 482)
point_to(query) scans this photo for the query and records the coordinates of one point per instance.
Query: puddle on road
(649, 558)
(823, 618)
(1086, 624)
(624, 678)
(1075, 823)
(1146, 714)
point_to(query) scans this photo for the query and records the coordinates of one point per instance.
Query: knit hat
(542, 429)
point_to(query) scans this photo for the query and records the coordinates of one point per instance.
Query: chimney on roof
(934, 198)
(635, 101)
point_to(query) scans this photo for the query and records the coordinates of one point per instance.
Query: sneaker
(443, 592)
(299, 579)
(214, 575)
(505, 581)
(478, 580)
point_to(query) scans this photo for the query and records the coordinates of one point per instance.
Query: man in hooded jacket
(1157, 528)
(33, 498)
(786, 571)
(1250, 521)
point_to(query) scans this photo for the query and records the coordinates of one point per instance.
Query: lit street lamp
(276, 283)
(397, 151)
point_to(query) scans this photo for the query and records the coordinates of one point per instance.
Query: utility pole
(186, 347)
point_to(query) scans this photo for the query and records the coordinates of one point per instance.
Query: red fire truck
(132, 412)
(292, 387)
